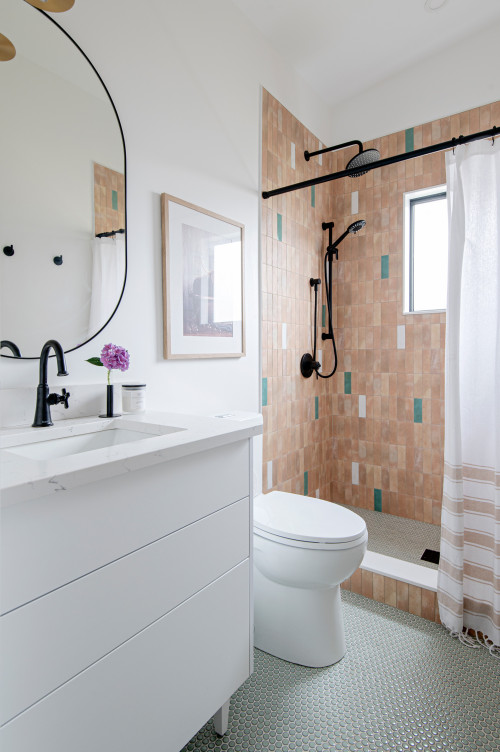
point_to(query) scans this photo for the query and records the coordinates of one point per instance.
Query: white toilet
(303, 549)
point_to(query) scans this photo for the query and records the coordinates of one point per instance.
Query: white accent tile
(269, 474)
(362, 405)
(320, 157)
(355, 473)
(319, 356)
(292, 155)
(401, 337)
(317, 493)
(354, 202)
(283, 336)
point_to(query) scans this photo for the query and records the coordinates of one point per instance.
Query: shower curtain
(108, 275)
(469, 570)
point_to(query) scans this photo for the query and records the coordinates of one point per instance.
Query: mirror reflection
(62, 193)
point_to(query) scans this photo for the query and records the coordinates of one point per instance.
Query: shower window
(426, 250)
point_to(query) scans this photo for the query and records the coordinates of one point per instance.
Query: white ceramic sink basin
(52, 448)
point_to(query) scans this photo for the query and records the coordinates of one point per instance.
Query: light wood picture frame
(203, 258)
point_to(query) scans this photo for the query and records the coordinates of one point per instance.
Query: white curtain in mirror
(108, 274)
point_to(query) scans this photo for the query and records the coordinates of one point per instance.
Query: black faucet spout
(43, 398)
(52, 344)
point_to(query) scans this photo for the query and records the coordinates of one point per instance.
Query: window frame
(412, 199)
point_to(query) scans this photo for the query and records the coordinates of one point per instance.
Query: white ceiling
(343, 47)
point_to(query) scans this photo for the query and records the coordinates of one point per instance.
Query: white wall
(185, 76)
(459, 78)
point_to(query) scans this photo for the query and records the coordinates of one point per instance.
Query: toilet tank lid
(306, 518)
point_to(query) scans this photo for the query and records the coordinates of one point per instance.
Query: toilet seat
(293, 543)
(306, 522)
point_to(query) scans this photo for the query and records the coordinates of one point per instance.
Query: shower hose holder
(308, 362)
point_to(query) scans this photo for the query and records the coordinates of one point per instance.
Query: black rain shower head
(364, 157)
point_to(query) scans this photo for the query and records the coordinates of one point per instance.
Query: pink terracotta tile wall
(297, 444)
(313, 432)
(393, 592)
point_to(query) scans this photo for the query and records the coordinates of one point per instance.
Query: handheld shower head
(356, 226)
(365, 156)
(308, 363)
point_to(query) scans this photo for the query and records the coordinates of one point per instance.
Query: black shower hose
(328, 289)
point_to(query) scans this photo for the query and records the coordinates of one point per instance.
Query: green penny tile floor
(404, 684)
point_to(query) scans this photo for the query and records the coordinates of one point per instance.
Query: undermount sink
(52, 448)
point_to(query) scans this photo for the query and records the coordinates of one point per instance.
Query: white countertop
(23, 478)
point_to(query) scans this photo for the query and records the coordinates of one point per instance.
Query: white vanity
(125, 581)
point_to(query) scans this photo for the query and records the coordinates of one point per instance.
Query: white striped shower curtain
(469, 570)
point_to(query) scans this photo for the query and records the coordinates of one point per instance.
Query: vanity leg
(221, 719)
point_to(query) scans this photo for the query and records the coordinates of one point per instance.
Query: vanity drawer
(155, 691)
(47, 642)
(53, 540)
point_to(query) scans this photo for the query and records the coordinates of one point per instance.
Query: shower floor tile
(404, 684)
(400, 537)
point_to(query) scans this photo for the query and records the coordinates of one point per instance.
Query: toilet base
(299, 625)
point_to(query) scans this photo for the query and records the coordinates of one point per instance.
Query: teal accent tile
(417, 410)
(377, 499)
(264, 392)
(280, 227)
(347, 382)
(313, 196)
(384, 267)
(409, 139)
(306, 483)
(316, 408)
(114, 200)
(323, 316)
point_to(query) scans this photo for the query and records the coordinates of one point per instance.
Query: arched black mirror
(62, 189)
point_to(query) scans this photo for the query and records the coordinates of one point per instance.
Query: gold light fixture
(52, 6)
(7, 49)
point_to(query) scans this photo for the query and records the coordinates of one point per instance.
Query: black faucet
(43, 399)
(12, 347)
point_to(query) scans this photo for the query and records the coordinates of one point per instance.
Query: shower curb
(401, 584)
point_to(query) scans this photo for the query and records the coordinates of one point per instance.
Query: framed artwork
(202, 282)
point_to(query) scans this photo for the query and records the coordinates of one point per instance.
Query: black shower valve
(8, 250)
(308, 365)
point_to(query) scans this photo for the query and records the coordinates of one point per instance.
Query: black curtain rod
(109, 234)
(491, 133)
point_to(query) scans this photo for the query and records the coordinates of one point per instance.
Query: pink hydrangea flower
(115, 357)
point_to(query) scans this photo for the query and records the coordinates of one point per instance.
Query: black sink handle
(56, 399)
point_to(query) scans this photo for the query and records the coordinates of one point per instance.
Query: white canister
(133, 398)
